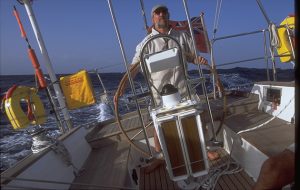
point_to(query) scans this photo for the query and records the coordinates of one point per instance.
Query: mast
(48, 64)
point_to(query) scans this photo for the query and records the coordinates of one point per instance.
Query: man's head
(160, 17)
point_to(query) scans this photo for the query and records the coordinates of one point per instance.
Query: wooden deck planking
(170, 183)
(214, 163)
(105, 167)
(147, 182)
(234, 181)
(222, 181)
(247, 178)
(129, 122)
(243, 184)
(160, 178)
(228, 179)
(164, 183)
(152, 180)
(142, 177)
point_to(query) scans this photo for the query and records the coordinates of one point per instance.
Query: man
(160, 19)
(277, 171)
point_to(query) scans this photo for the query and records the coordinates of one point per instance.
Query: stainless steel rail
(129, 74)
(214, 140)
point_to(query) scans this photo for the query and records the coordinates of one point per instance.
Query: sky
(79, 34)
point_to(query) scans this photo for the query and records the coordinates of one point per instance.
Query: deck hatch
(182, 141)
(193, 143)
(174, 148)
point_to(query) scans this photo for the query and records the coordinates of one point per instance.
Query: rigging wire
(144, 15)
(263, 11)
(217, 17)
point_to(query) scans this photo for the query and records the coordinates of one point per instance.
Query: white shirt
(172, 76)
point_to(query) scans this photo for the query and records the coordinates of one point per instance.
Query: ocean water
(15, 145)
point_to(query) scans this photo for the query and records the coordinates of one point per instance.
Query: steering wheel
(122, 85)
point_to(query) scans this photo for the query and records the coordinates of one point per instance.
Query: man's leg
(157, 161)
(277, 171)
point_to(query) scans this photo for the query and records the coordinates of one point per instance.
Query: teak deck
(159, 178)
(108, 140)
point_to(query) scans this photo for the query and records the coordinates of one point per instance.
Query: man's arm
(277, 171)
(134, 69)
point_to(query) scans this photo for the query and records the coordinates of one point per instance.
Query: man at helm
(160, 20)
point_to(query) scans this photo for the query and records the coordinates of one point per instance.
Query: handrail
(265, 57)
(252, 59)
(243, 34)
(129, 74)
(239, 34)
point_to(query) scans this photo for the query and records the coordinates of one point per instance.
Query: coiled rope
(211, 179)
(274, 39)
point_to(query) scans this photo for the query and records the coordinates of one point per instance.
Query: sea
(17, 144)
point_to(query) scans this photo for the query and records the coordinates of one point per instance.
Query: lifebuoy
(35, 114)
(285, 49)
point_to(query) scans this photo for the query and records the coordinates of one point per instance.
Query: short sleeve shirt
(172, 76)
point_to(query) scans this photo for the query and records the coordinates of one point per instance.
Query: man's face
(160, 18)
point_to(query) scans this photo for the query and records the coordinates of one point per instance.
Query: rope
(274, 35)
(211, 179)
(214, 174)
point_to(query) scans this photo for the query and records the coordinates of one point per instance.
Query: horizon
(193, 70)
(80, 35)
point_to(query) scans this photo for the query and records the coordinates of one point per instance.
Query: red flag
(199, 33)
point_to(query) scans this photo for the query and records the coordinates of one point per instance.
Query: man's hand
(201, 60)
(191, 58)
